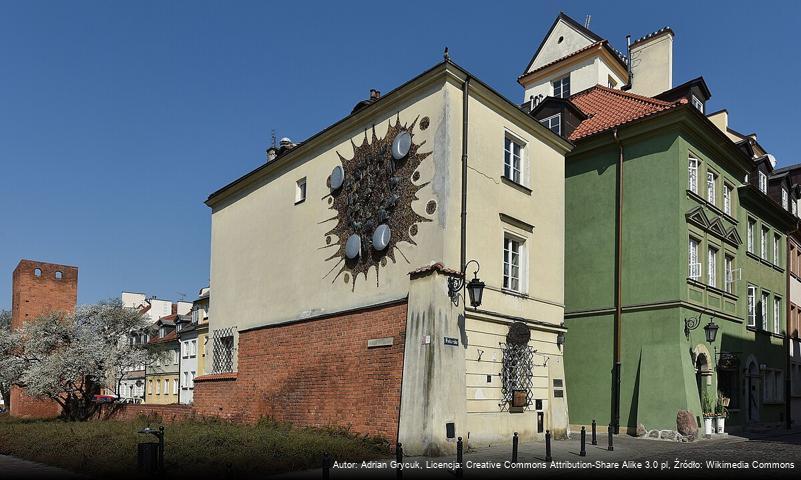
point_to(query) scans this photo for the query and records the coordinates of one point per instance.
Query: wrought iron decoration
(518, 363)
(373, 201)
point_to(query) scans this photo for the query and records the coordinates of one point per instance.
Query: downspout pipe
(465, 118)
(618, 326)
(788, 410)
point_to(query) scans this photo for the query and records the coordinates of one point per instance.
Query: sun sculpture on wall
(372, 195)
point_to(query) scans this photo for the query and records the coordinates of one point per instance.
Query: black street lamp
(710, 329)
(475, 287)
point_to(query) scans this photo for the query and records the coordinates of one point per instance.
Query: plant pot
(720, 424)
(708, 427)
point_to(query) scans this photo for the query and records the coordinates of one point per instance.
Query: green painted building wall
(659, 364)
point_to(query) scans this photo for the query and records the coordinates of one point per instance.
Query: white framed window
(192, 380)
(692, 170)
(175, 356)
(711, 179)
(794, 208)
(750, 235)
(553, 123)
(726, 199)
(694, 270)
(785, 199)
(728, 268)
(777, 241)
(698, 104)
(158, 388)
(166, 386)
(185, 383)
(763, 242)
(513, 159)
(300, 190)
(175, 386)
(561, 87)
(711, 268)
(513, 263)
(763, 182)
(763, 310)
(751, 295)
(777, 315)
(193, 351)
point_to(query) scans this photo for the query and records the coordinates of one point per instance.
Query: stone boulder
(686, 424)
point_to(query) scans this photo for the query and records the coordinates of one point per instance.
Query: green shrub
(196, 448)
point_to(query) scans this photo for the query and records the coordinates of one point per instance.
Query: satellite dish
(353, 246)
(772, 160)
(401, 145)
(381, 237)
(337, 177)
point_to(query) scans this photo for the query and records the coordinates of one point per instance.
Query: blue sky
(118, 119)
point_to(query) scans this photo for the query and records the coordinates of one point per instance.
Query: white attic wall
(553, 50)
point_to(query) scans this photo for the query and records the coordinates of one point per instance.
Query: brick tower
(39, 288)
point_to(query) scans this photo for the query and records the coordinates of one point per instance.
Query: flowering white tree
(68, 358)
(7, 373)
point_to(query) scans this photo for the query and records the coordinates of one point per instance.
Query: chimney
(374, 94)
(272, 152)
(721, 120)
(651, 63)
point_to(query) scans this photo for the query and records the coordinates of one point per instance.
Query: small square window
(300, 190)
(698, 104)
(554, 123)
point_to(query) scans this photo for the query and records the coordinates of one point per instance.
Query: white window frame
(692, 170)
(785, 199)
(300, 191)
(694, 269)
(763, 242)
(192, 380)
(711, 268)
(559, 85)
(511, 171)
(711, 180)
(728, 267)
(697, 103)
(175, 386)
(727, 199)
(777, 311)
(509, 240)
(750, 235)
(550, 125)
(765, 299)
(777, 250)
(763, 182)
(751, 301)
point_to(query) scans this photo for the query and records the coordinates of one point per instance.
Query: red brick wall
(168, 413)
(316, 373)
(33, 296)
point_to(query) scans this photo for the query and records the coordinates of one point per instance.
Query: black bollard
(611, 446)
(399, 460)
(548, 457)
(459, 457)
(327, 462)
(514, 448)
(594, 437)
(583, 452)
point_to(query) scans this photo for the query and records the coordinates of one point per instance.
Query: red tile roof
(165, 339)
(604, 43)
(608, 108)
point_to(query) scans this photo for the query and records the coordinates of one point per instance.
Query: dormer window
(785, 199)
(561, 87)
(162, 332)
(763, 182)
(697, 103)
(554, 123)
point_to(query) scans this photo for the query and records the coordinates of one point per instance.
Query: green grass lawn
(197, 448)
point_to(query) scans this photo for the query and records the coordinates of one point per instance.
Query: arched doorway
(703, 374)
(753, 389)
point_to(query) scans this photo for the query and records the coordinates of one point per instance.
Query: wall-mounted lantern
(710, 330)
(475, 287)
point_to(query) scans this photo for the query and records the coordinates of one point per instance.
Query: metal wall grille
(223, 350)
(517, 373)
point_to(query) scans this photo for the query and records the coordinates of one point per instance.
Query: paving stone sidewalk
(12, 468)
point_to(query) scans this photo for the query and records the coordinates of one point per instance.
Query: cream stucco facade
(271, 258)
